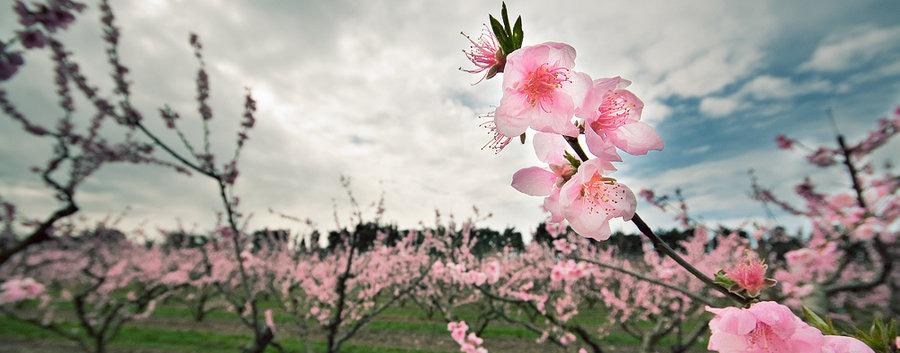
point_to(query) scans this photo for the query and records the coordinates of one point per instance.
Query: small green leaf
(502, 36)
(723, 279)
(499, 32)
(505, 17)
(816, 321)
(575, 162)
(517, 34)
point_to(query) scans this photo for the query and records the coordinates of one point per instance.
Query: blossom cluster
(543, 92)
(19, 289)
(468, 343)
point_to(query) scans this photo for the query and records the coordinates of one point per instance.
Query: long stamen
(614, 111)
(542, 82)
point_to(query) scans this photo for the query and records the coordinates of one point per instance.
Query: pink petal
(578, 87)
(552, 205)
(588, 109)
(739, 322)
(534, 181)
(842, 344)
(600, 146)
(726, 342)
(588, 224)
(622, 202)
(511, 115)
(560, 54)
(636, 138)
(557, 117)
(549, 147)
(570, 191)
(523, 61)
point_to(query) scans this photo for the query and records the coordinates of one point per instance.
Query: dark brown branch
(660, 245)
(649, 280)
(41, 234)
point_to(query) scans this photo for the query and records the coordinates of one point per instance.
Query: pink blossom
(485, 54)
(750, 275)
(564, 246)
(567, 271)
(822, 157)
(784, 142)
(470, 343)
(538, 90)
(842, 344)
(19, 289)
(537, 181)
(766, 327)
(590, 200)
(648, 195)
(612, 118)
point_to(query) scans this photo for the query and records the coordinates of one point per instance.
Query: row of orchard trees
(108, 281)
(844, 267)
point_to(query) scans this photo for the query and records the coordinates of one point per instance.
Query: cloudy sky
(371, 90)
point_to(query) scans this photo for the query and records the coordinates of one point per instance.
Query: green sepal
(505, 18)
(880, 336)
(725, 281)
(517, 34)
(509, 37)
(826, 326)
(500, 34)
(575, 162)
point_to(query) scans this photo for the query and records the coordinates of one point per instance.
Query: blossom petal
(622, 202)
(534, 181)
(549, 147)
(552, 205)
(594, 225)
(521, 62)
(560, 54)
(578, 87)
(636, 138)
(843, 344)
(510, 116)
(557, 117)
(600, 146)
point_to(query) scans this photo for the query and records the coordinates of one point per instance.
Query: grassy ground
(397, 330)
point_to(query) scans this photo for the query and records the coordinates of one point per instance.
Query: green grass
(394, 322)
(144, 337)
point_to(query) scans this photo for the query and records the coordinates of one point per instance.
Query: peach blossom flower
(766, 327)
(538, 91)
(589, 200)
(750, 275)
(612, 117)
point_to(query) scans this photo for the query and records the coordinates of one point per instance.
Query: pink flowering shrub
(848, 259)
(470, 343)
(18, 289)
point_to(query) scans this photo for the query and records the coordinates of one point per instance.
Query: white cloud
(719, 106)
(771, 87)
(329, 75)
(764, 88)
(852, 49)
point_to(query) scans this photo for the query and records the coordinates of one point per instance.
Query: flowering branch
(662, 246)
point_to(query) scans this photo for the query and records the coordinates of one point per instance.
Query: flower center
(541, 83)
(763, 337)
(597, 193)
(614, 111)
